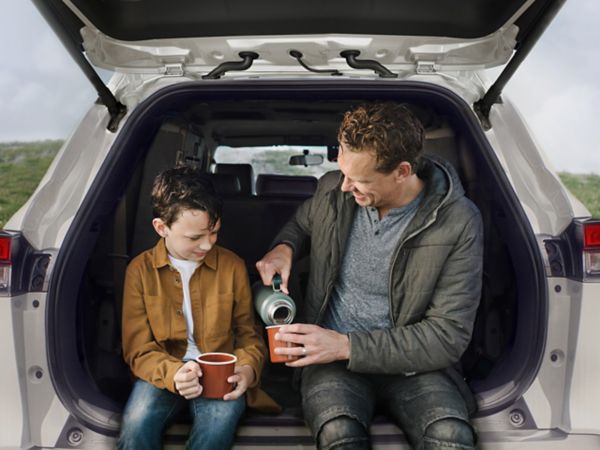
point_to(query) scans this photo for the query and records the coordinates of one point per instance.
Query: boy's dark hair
(389, 129)
(181, 188)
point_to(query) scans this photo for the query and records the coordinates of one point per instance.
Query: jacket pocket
(217, 318)
(159, 317)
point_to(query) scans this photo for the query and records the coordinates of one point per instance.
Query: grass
(586, 188)
(23, 164)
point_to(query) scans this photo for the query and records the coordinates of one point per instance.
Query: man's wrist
(285, 247)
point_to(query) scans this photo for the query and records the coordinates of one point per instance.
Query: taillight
(576, 252)
(591, 248)
(22, 269)
(6, 251)
(591, 235)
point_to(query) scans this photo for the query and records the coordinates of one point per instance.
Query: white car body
(556, 407)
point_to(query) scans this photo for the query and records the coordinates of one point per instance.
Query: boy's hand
(243, 376)
(187, 380)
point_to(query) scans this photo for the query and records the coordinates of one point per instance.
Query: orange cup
(216, 368)
(274, 343)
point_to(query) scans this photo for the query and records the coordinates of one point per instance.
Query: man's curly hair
(389, 129)
(181, 188)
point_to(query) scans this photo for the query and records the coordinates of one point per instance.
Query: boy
(184, 297)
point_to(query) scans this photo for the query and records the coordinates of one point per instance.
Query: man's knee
(343, 432)
(449, 431)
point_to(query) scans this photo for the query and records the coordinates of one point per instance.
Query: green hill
(23, 164)
(586, 188)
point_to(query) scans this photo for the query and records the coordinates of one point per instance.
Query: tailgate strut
(63, 22)
(545, 16)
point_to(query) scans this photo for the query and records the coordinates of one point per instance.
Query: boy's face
(189, 237)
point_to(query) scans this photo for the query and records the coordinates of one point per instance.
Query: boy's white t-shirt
(186, 270)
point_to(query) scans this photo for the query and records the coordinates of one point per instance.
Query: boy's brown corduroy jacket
(154, 329)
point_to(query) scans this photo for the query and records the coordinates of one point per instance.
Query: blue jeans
(339, 406)
(150, 409)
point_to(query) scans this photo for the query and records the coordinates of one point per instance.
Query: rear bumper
(537, 440)
(291, 433)
(288, 431)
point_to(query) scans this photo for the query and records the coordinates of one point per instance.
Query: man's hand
(317, 345)
(187, 380)
(278, 260)
(243, 376)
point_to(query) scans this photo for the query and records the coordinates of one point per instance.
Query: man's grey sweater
(360, 297)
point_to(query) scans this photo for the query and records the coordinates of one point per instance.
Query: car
(253, 93)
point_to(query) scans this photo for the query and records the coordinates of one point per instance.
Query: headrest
(226, 184)
(244, 173)
(285, 185)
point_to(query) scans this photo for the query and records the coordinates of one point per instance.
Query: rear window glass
(274, 159)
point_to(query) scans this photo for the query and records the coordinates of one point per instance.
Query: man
(395, 279)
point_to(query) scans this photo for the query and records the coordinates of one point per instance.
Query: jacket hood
(441, 179)
(442, 188)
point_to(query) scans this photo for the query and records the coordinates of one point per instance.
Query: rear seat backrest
(244, 173)
(251, 222)
(285, 186)
(226, 185)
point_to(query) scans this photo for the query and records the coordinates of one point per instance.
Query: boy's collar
(160, 257)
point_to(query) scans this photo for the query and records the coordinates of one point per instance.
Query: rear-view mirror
(306, 159)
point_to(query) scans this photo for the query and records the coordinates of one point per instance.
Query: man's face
(368, 186)
(190, 236)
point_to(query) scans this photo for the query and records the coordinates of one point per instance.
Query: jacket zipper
(325, 301)
(329, 287)
(395, 258)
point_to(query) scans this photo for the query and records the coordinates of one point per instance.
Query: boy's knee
(343, 432)
(138, 432)
(215, 418)
(136, 419)
(142, 422)
(215, 423)
(453, 432)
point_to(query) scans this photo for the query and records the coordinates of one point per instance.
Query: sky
(43, 94)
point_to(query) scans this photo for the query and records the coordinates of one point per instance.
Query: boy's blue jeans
(149, 409)
(339, 406)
